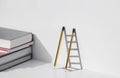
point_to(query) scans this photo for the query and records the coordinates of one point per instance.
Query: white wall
(96, 21)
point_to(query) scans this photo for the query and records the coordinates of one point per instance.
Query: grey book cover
(10, 38)
(14, 55)
(15, 62)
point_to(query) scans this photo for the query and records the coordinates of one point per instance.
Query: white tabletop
(37, 69)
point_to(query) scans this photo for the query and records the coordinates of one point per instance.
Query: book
(10, 38)
(15, 62)
(16, 48)
(14, 55)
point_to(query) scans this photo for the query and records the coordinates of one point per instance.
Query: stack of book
(15, 47)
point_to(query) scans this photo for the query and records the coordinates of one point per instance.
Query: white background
(97, 23)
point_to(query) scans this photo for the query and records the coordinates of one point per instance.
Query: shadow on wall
(39, 51)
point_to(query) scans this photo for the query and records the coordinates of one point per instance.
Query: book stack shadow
(15, 47)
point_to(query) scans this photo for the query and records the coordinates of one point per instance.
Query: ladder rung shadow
(69, 35)
(74, 56)
(74, 49)
(75, 68)
(72, 41)
(74, 63)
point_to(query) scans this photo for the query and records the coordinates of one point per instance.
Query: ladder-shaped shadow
(70, 49)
